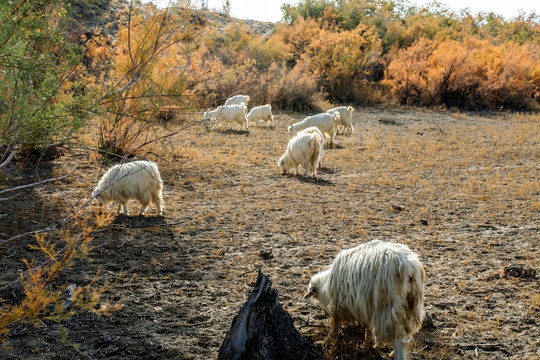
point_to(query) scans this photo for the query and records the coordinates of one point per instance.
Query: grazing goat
(229, 114)
(237, 100)
(303, 149)
(325, 122)
(345, 116)
(314, 129)
(259, 113)
(378, 284)
(137, 180)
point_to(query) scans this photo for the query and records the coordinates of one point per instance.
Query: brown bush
(295, 89)
(470, 74)
(235, 62)
(505, 76)
(347, 61)
(147, 71)
(283, 87)
(406, 72)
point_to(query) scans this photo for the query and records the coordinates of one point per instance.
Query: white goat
(325, 122)
(237, 100)
(303, 149)
(259, 113)
(314, 129)
(229, 114)
(380, 285)
(137, 180)
(345, 115)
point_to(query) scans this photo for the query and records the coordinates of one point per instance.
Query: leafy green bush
(42, 94)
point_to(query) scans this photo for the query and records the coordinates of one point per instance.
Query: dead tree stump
(263, 330)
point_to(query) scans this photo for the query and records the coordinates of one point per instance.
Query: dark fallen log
(263, 330)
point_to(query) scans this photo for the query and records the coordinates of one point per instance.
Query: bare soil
(461, 190)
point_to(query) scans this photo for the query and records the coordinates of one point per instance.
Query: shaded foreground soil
(461, 190)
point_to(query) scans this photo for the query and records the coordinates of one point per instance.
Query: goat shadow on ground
(139, 221)
(334, 146)
(233, 132)
(145, 247)
(387, 121)
(325, 170)
(271, 127)
(313, 180)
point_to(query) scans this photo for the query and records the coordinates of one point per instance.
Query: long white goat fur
(345, 115)
(228, 114)
(237, 100)
(258, 113)
(303, 149)
(378, 284)
(325, 122)
(137, 180)
(314, 129)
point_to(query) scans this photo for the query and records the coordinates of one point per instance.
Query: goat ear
(312, 290)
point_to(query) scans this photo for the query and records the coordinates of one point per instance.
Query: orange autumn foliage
(148, 70)
(347, 60)
(472, 74)
(349, 52)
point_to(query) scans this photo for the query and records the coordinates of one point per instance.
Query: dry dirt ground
(461, 190)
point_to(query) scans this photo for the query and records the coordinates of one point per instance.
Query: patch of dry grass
(460, 190)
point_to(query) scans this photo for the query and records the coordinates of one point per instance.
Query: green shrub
(42, 94)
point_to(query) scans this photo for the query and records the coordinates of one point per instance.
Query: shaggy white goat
(237, 100)
(259, 113)
(303, 149)
(314, 129)
(378, 284)
(325, 122)
(229, 114)
(137, 180)
(345, 115)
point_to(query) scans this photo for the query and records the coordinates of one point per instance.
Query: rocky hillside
(105, 16)
(221, 21)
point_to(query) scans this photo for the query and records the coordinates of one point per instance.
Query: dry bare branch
(36, 183)
(9, 158)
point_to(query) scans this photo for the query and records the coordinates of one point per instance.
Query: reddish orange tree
(406, 73)
(148, 70)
